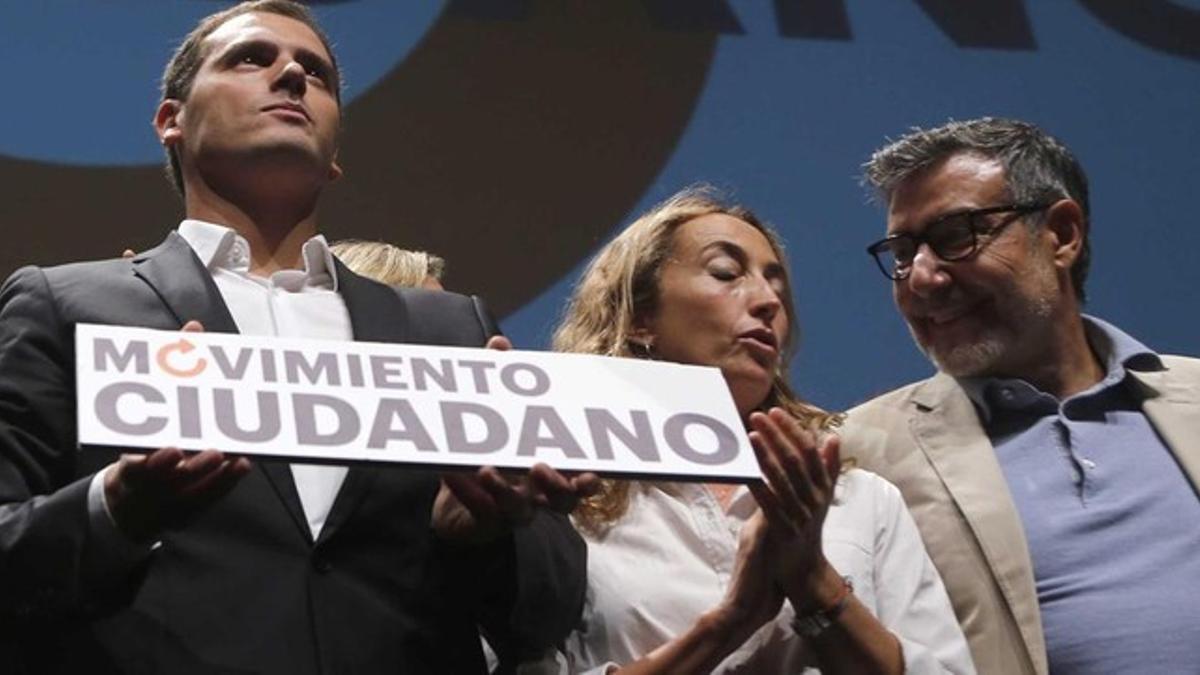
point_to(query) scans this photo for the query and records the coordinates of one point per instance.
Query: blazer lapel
(185, 286)
(1172, 403)
(377, 314)
(187, 289)
(947, 430)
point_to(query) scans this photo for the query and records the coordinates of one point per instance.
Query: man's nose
(928, 274)
(292, 78)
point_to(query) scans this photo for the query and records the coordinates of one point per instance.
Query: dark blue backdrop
(794, 96)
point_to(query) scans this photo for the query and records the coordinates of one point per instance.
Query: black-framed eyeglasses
(954, 236)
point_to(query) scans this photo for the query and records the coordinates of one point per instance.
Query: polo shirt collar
(1117, 350)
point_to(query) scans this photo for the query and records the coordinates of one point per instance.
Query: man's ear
(335, 169)
(166, 122)
(1066, 226)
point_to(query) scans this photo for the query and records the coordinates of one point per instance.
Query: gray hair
(1037, 167)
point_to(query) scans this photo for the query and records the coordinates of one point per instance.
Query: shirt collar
(1117, 349)
(220, 247)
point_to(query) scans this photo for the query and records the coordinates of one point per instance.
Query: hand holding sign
(476, 507)
(166, 488)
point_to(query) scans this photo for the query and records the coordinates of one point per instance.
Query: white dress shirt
(289, 303)
(669, 559)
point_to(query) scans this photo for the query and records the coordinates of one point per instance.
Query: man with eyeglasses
(1051, 460)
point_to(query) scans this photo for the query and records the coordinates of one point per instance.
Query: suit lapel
(187, 289)
(377, 314)
(947, 430)
(184, 285)
(1172, 403)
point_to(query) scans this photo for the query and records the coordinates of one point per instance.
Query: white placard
(347, 402)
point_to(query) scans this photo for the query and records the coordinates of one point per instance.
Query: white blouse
(669, 559)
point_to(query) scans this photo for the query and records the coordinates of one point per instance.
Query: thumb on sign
(146, 494)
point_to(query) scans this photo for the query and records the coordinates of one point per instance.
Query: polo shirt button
(321, 564)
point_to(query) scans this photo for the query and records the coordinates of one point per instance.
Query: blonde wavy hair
(389, 264)
(621, 284)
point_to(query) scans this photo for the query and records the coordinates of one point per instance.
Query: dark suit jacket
(243, 589)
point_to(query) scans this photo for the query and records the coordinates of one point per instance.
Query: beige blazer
(927, 439)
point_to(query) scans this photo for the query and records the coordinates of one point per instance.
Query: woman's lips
(762, 344)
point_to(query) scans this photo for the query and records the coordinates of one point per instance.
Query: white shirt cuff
(117, 549)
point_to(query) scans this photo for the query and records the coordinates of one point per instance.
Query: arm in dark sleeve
(551, 580)
(44, 523)
(528, 586)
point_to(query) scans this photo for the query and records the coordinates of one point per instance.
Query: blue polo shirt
(1112, 521)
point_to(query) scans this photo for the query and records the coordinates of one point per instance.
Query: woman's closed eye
(726, 270)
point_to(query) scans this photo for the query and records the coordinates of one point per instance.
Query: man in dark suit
(174, 562)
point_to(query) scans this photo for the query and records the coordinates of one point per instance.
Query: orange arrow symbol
(183, 347)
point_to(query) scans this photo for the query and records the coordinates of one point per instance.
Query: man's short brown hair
(185, 63)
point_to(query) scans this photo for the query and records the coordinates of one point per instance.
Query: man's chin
(291, 150)
(280, 161)
(968, 360)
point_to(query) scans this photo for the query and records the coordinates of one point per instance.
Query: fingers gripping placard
(449, 406)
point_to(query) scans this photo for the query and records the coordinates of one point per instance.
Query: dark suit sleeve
(43, 504)
(446, 319)
(529, 586)
(551, 579)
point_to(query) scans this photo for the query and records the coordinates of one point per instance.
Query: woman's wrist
(713, 637)
(818, 591)
(730, 622)
(722, 619)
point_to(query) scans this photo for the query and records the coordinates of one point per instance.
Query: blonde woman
(391, 265)
(793, 573)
